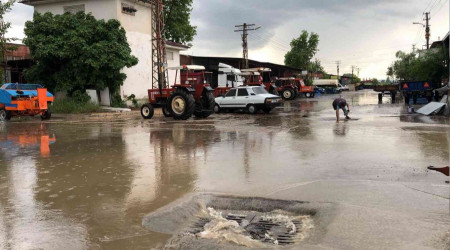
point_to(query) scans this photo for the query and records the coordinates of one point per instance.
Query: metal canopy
(431, 108)
(256, 70)
(187, 67)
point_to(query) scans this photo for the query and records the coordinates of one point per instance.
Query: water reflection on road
(70, 185)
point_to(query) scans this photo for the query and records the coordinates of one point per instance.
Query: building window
(169, 56)
(128, 9)
(74, 9)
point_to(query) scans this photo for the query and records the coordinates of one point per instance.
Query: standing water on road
(89, 184)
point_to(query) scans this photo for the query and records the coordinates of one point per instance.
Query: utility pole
(414, 48)
(245, 28)
(338, 63)
(353, 67)
(427, 28)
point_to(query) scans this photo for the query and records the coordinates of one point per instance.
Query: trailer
(18, 99)
(383, 90)
(414, 90)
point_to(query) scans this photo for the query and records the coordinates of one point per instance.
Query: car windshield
(260, 90)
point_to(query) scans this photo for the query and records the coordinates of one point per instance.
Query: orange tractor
(18, 99)
(308, 91)
(192, 96)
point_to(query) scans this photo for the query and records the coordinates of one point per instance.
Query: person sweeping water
(341, 103)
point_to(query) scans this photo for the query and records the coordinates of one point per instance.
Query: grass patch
(69, 106)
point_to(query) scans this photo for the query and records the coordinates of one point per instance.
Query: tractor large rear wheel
(182, 104)
(205, 107)
(288, 94)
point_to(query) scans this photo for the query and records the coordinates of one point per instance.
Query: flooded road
(78, 185)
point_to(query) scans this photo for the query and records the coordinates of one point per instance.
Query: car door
(242, 98)
(229, 99)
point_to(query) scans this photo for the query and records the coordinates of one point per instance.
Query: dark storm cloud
(215, 19)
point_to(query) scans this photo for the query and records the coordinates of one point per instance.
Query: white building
(137, 24)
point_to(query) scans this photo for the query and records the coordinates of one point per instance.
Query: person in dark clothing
(341, 103)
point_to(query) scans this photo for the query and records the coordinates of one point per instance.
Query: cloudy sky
(364, 33)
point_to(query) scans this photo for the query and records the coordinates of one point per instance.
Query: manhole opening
(242, 227)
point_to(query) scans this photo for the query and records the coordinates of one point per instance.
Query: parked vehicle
(193, 95)
(17, 99)
(254, 77)
(343, 88)
(319, 90)
(228, 77)
(308, 91)
(386, 90)
(287, 88)
(331, 86)
(250, 98)
(416, 90)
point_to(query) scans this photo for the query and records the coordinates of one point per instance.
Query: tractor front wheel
(147, 111)
(182, 104)
(5, 115)
(205, 107)
(46, 115)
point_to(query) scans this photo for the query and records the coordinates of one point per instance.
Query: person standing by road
(341, 103)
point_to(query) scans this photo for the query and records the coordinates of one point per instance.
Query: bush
(133, 100)
(117, 102)
(80, 97)
(70, 106)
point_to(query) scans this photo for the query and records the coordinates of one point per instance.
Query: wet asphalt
(78, 184)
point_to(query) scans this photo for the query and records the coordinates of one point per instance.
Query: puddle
(226, 221)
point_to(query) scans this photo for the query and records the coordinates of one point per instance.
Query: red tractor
(193, 96)
(254, 77)
(287, 88)
(308, 91)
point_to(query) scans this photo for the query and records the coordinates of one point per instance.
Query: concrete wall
(173, 63)
(138, 27)
(100, 9)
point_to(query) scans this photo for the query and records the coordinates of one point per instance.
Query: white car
(251, 98)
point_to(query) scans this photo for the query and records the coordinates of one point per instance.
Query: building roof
(265, 64)
(38, 2)
(437, 44)
(174, 45)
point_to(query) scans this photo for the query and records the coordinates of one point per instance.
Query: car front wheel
(252, 109)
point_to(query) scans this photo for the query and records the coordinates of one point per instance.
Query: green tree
(428, 65)
(75, 52)
(4, 26)
(375, 81)
(316, 67)
(177, 15)
(302, 51)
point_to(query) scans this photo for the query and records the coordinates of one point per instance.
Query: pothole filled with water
(209, 221)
